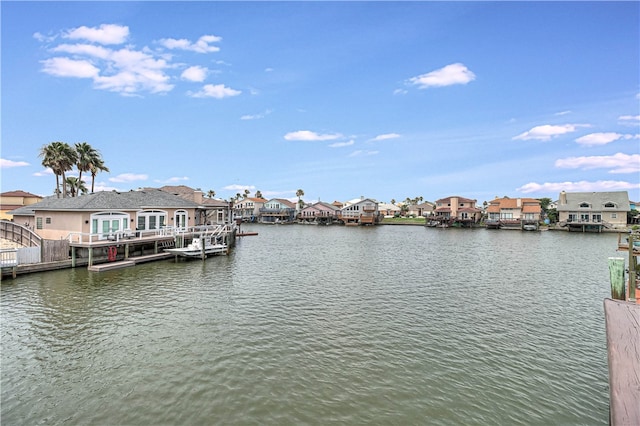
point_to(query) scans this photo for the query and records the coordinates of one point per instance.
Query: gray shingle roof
(109, 200)
(597, 200)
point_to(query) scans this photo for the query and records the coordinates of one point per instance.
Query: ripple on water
(387, 325)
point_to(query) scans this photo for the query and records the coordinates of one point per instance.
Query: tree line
(61, 158)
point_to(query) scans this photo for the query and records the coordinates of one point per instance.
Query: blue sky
(386, 100)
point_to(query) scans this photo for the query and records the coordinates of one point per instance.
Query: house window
(47, 221)
(38, 223)
(584, 217)
(614, 215)
(572, 217)
(584, 205)
(108, 224)
(597, 218)
(609, 205)
(151, 219)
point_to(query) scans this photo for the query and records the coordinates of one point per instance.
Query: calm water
(320, 325)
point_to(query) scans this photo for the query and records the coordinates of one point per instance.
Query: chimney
(563, 198)
(197, 196)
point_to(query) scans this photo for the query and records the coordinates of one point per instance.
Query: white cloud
(361, 153)
(217, 91)
(581, 186)
(341, 144)
(196, 73)
(105, 34)
(127, 70)
(128, 177)
(385, 137)
(307, 135)
(242, 188)
(618, 163)
(45, 172)
(562, 113)
(446, 76)
(65, 67)
(603, 138)
(201, 46)
(124, 71)
(7, 164)
(84, 49)
(632, 120)
(548, 131)
(400, 92)
(255, 116)
(173, 180)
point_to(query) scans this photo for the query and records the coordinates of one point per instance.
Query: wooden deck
(622, 320)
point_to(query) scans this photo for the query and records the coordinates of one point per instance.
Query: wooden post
(616, 277)
(126, 251)
(632, 268)
(202, 247)
(90, 257)
(623, 350)
(73, 257)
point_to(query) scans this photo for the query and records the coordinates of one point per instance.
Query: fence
(19, 234)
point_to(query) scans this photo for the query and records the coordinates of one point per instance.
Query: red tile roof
(19, 193)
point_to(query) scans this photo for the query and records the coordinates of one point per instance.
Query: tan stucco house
(104, 214)
(12, 200)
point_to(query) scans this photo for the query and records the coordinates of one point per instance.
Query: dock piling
(616, 277)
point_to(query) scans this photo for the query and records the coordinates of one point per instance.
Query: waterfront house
(320, 212)
(211, 211)
(457, 211)
(593, 211)
(362, 211)
(12, 200)
(108, 214)
(513, 213)
(248, 208)
(278, 210)
(389, 210)
(419, 210)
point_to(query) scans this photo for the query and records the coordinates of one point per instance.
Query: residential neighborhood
(111, 212)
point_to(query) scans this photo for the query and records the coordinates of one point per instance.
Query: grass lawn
(403, 221)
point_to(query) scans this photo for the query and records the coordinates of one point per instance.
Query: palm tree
(258, 194)
(59, 157)
(87, 155)
(300, 194)
(75, 186)
(211, 193)
(97, 166)
(48, 154)
(246, 193)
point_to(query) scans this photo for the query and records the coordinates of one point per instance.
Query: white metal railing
(130, 235)
(19, 256)
(8, 257)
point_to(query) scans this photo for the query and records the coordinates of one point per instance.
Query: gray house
(593, 211)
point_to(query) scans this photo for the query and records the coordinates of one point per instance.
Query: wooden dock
(622, 319)
(132, 261)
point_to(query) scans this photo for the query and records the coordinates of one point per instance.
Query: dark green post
(616, 277)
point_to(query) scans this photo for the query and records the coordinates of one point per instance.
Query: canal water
(320, 325)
